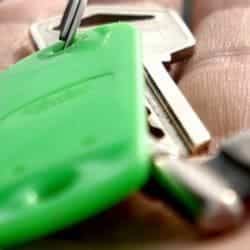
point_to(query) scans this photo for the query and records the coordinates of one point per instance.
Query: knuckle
(216, 80)
(223, 35)
(220, 95)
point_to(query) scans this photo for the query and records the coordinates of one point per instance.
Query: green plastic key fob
(73, 133)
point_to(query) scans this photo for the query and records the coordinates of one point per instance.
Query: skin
(215, 81)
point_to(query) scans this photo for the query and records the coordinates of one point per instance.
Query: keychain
(171, 116)
(74, 139)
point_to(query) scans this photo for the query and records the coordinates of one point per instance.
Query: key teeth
(159, 136)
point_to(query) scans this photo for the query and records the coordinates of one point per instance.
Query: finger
(126, 220)
(201, 9)
(146, 229)
(216, 80)
(14, 47)
(16, 17)
(239, 240)
(28, 11)
(236, 240)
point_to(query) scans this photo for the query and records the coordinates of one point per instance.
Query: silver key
(173, 109)
(168, 107)
(157, 23)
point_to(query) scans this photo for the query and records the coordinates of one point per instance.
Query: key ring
(71, 20)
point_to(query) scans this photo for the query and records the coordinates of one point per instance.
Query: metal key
(158, 23)
(174, 110)
(170, 112)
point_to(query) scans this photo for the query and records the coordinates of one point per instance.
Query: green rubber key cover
(73, 133)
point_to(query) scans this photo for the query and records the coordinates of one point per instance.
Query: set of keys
(170, 114)
(74, 133)
(176, 130)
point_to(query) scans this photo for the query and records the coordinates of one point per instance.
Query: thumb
(216, 80)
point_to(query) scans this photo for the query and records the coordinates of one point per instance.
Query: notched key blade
(176, 108)
(161, 127)
(157, 26)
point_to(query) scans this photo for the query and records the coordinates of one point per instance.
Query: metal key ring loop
(71, 20)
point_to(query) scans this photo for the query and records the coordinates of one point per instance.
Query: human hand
(216, 83)
(216, 80)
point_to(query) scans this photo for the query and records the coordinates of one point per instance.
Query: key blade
(176, 107)
(161, 127)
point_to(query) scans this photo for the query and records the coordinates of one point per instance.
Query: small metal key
(55, 150)
(170, 114)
